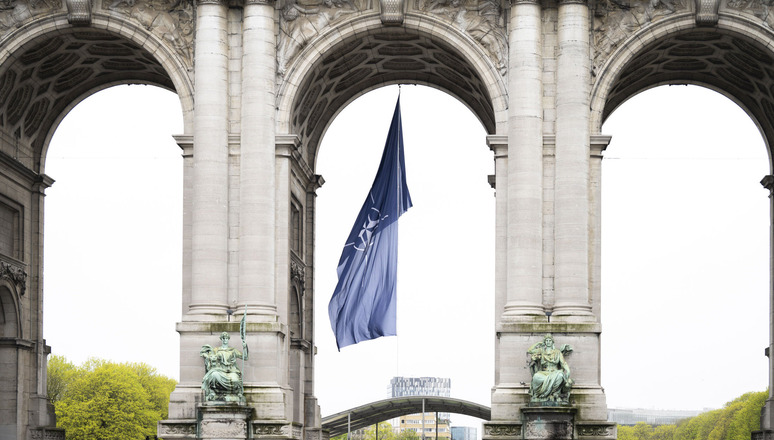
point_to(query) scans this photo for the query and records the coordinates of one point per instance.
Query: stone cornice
(498, 143)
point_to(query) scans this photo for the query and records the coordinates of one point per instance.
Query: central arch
(348, 61)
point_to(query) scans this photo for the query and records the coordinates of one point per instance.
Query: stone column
(767, 415)
(209, 275)
(519, 185)
(525, 165)
(257, 179)
(572, 164)
(499, 146)
(598, 145)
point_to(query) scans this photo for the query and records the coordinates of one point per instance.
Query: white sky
(685, 256)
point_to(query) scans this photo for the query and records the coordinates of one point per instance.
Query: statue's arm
(535, 348)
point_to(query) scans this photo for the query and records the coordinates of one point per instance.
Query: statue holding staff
(551, 382)
(222, 380)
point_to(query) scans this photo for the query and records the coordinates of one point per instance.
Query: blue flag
(364, 303)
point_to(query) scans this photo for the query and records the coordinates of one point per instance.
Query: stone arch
(732, 59)
(361, 55)
(49, 67)
(10, 319)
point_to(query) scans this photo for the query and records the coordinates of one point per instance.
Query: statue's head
(548, 338)
(224, 337)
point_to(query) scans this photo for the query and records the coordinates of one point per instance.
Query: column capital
(316, 182)
(768, 182)
(210, 2)
(286, 144)
(498, 143)
(258, 2)
(573, 2)
(598, 143)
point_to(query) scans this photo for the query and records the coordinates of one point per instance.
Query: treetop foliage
(735, 421)
(107, 400)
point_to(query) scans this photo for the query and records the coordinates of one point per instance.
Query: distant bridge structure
(379, 411)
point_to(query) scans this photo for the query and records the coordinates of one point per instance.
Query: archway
(446, 273)
(684, 247)
(46, 68)
(729, 59)
(114, 229)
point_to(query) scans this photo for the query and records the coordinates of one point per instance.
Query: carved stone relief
(616, 20)
(481, 19)
(595, 430)
(172, 21)
(46, 434)
(223, 428)
(301, 21)
(271, 430)
(759, 8)
(15, 275)
(14, 13)
(538, 429)
(177, 429)
(502, 430)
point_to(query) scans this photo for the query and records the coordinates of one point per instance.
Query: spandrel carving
(301, 22)
(759, 8)
(616, 20)
(172, 21)
(14, 13)
(481, 19)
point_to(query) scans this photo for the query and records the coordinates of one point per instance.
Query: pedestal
(548, 423)
(551, 423)
(224, 422)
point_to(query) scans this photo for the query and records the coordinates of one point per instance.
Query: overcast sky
(685, 254)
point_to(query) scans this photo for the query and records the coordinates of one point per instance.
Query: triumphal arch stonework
(260, 80)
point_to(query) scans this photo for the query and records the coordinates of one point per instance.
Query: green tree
(735, 421)
(61, 373)
(106, 400)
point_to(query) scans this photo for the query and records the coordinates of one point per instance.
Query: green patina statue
(222, 378)
(551, 382)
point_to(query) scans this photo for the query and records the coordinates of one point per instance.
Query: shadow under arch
(361, 55)
(48, 67)
(732, 59)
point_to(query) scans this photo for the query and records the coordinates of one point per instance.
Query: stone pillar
(266, 373)
(598, 145)
(767, 414)
(519, 224)
(525, 165)
(209, 275)
(572, 164)
(499, 146)
(257, 179)
(186, 144)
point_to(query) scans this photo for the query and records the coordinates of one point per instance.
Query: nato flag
(363, 305)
